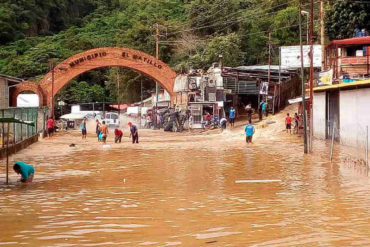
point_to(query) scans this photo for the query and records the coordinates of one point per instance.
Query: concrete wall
(354, 116)
(319, 115)
(4, 96)
(18, 147)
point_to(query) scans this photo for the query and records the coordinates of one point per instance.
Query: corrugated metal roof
(265, 68)
(351, 41)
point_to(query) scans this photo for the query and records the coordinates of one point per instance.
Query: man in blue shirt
(133, 133)
(260, 110)
(25, 170)
(264, 108)
(249, 131)
(232, 116)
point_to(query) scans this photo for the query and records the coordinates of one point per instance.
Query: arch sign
(98, 58)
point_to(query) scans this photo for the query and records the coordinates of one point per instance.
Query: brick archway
(27, 86)
(103, 57)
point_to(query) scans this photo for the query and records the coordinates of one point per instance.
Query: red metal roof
(119, 107)
(351, 41)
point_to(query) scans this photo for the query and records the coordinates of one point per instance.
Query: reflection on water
(267, 194)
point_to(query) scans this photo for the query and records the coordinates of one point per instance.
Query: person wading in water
(104, 131)
(133, 133)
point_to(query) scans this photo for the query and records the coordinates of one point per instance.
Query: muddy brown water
(184, 193)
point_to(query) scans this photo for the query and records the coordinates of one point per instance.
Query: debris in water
(72, 145)
(106, 146)
(211, 242)
(257, 181)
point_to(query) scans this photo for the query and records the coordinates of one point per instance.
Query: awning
(119, 107)
(74, 116)
(14, 120)
(297, 100)
(351, 41)
(355, 84)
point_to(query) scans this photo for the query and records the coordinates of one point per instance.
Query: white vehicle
(111, 119)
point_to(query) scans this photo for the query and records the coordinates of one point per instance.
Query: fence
(19, 132)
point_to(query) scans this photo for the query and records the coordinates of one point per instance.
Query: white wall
(354, 117)
(28, 100)
(319, 115)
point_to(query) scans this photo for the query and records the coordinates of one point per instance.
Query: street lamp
(61, 104)
(220, 60)
(303, 12)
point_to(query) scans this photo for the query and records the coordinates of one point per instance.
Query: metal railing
(19, 132)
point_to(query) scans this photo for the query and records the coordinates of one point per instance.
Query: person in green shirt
(27, 171)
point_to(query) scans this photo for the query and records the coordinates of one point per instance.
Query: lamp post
(52, 67)
(303, 12)
(303, 86)
(61, 104)
(220, 56)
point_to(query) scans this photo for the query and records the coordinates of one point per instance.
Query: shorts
(84, 132)
(50, 130)
(232, 120)
(248, 139)
(288, 126)
(104, 137)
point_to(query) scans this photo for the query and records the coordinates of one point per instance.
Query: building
(5, 83)
(348, 58)
(216, 90)
(344, 109)
(340, 107)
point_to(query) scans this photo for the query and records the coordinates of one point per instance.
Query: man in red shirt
(50, 125)
(118, 135)
(288, 123)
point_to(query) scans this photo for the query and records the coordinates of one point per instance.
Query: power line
(219, 22)
(231, 22)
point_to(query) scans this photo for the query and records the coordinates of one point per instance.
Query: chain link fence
(19, 132)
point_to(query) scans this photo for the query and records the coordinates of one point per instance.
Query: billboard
(291, 56)
(325, 78)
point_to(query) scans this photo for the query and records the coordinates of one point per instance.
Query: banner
(264, 87)
(325, 78)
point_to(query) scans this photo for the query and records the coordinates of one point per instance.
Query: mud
(186, 189)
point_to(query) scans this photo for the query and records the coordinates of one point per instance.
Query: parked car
(111, 119)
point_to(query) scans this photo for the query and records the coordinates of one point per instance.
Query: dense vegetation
(194, 33)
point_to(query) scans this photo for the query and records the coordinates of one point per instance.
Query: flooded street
(182, 190)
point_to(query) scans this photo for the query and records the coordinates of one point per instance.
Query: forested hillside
(194, 33)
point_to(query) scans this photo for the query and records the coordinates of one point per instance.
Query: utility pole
(157, 57)
(322, 39)
(311, 72)
(157, 35)
(269, 63)
(269, 69)
(303, 85)
(52, 67)
(118, 93)
(141, 100)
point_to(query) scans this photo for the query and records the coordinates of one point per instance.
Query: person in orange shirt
(288, 123)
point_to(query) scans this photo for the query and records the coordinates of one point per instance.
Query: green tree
(345, 16)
